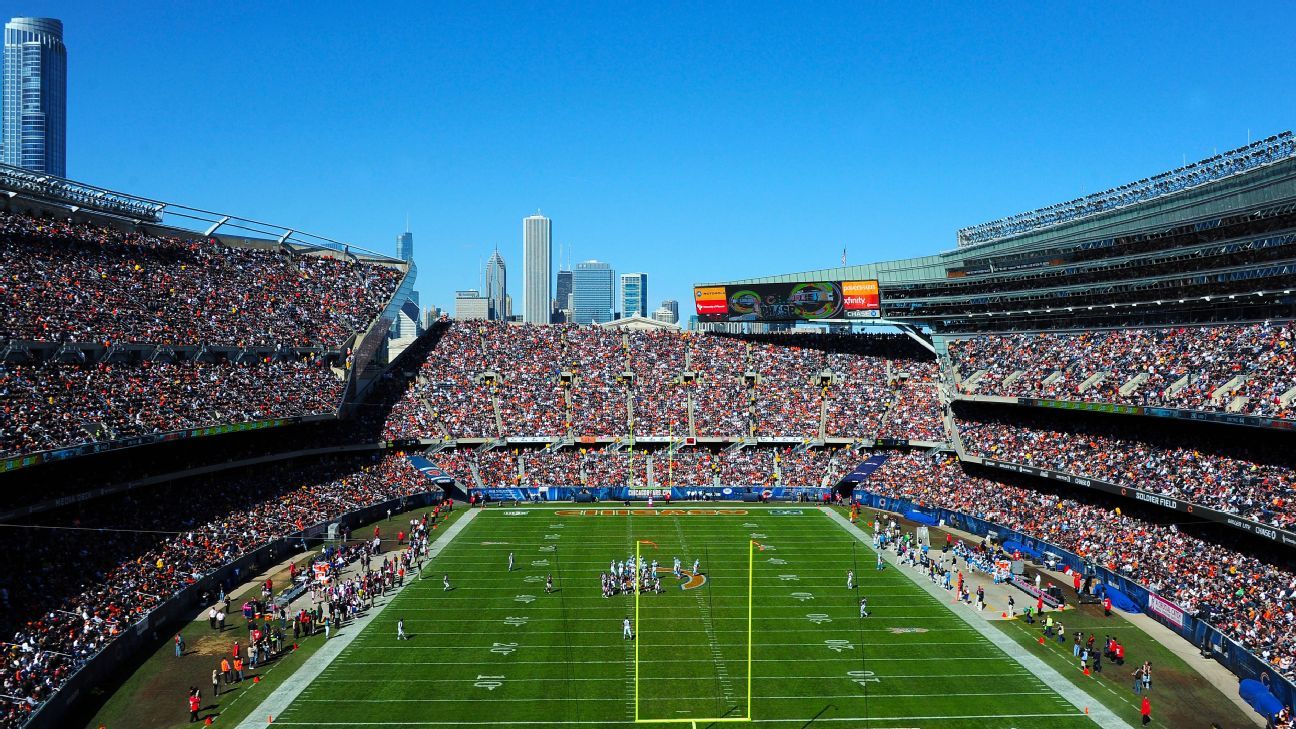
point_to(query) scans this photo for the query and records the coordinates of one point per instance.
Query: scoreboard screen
(807, 300)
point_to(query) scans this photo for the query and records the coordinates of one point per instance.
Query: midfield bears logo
(692, 581)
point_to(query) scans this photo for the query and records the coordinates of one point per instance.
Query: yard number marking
(504, 648)
(802, 596)
(524, 599)
(490, 683)
(838, 646)
(516, 621)
(789, 578)
(863, 677)
(540, 563)
(818, 618)
(777, 561)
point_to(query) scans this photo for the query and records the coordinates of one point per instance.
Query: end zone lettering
(650, 512)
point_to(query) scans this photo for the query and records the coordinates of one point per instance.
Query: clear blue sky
(694, 142)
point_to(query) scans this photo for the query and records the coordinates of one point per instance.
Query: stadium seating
(48, 405)
(84, 283)
(1258, 482)
(1247, 599)
(490, 380)
(155, 543)
(1245, 368)
(763, 466)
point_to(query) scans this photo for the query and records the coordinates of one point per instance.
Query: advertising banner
(807, 300)
(1166, 610)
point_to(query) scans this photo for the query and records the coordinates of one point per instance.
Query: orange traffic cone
(1003, 615)
(270, 719)
(207, 721)
(1086, 670)
(1041, 640)
(256, 679)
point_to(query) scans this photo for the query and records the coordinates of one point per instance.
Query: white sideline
(1102, 715)
(290, 689)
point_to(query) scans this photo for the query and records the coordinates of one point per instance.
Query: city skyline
(33, 134)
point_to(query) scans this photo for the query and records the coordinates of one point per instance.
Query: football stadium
(1041, 478)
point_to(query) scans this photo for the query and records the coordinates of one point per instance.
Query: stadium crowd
(91, 573)
(84, 283)
(1257, 483)
(1247, 599)
(755, 466)
(568, 380)
(1021, 365)
(48, 405)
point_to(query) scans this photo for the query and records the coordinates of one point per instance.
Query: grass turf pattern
(498, 651)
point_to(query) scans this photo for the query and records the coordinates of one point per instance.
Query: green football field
(498, 651)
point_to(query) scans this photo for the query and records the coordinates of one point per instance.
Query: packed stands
(48, 405)
(1256, 481)
(85, 283)
(596, 358)
(658, 361)
(755, 466)
(134, 551)
(569, 381)
(788, 395)
(1246, 368)
(722, 402)
(450, 397)
(916, 413)
(1245, 598)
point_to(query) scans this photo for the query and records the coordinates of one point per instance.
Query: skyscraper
(470, 304)
(593, 284)
(634, 294)
(668, 312)
(537, 269)
(562, 299)
(405, 245)
(34, 106)
(497, 286)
